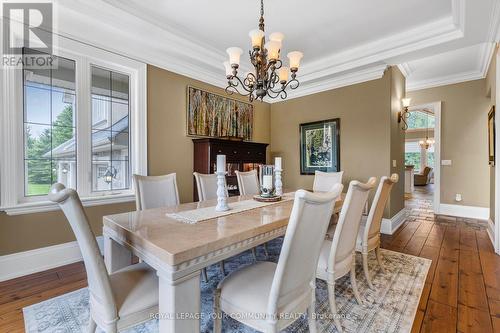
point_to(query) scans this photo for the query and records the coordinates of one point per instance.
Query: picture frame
(320, 146)
(491, 136)
(211, 115)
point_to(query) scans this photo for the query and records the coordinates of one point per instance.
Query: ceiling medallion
(270, 77)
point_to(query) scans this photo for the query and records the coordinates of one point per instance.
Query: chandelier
(427, 143)
(269, 77)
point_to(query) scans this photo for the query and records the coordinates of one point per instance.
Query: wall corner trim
(389, 226)
(38, 260)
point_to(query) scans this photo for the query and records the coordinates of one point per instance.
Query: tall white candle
(277, 163)
(221, 163)
(267, 181)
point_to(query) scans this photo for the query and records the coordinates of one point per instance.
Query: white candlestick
(221, 163)
(221, 190)
(277, 163)
(278, 184)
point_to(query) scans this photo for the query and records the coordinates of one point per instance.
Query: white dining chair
(248, 184)
(324, 181)
(206, 184)
(269, 297)
(338, 255)
(156, 191)
(120, 300)
(369, 230)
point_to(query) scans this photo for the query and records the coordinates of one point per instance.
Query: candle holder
(278, 183)
(221, 192)
(267, 189)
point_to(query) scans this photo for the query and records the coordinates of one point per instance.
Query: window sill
(47, 206)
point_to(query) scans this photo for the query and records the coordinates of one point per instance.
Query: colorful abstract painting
(212, 115)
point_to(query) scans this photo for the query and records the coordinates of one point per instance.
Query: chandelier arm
(243, 86)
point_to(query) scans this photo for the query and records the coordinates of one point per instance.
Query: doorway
(422, 157)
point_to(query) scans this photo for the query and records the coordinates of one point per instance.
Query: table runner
(207, 213)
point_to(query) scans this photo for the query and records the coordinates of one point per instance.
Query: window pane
(49, 127)
(110, 125)
(420, 119)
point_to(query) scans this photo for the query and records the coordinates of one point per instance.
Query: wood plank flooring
(461, 293)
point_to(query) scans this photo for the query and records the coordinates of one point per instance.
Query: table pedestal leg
(116, 256)
(179, 308)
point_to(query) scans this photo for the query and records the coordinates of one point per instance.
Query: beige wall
(491, 89)
(365, 129)
(463, 140)
(169, 150)
(397, 140)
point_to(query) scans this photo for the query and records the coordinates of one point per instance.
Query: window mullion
(83, 127)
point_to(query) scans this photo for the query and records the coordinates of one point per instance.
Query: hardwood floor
(461, 293)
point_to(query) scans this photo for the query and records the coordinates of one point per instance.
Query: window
(420, 119)
(81, 123)
(430, 157)
(413, 154)
(49, 127)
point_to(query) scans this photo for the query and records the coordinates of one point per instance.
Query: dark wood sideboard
(240, 155)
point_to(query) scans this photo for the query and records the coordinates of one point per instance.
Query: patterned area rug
(391, 307)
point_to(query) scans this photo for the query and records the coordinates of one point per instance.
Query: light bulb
(294, 58)
(256, 37)
(234, 55)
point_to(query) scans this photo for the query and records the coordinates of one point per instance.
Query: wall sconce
(404, 114)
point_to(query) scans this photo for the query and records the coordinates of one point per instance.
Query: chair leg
(333, 306)
(354, 284)
(204, 274)
(379, 259)
(266, 251)
(217, 312)
(221, 264)
(254, 252)
(311, 316)
(92, 325)
(367, 272)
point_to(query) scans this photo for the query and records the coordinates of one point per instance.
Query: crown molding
(184, 54)
(338, 81)
(494, 28)
(483, 63)
(405, 69)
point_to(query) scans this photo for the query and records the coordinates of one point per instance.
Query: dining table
(177, 242)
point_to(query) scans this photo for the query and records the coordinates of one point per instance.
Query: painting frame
(247, 133)
(491, 136)
(306, 132)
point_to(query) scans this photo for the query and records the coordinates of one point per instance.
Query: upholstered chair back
(325, 181)
(156, 191)
(346, 232)
(206, 185)
(248, 182)
(299, 256)
(376, 213)
(97, 276)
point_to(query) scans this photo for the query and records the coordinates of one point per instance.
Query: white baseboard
(389, 226)
(38, 260)
(472, 212)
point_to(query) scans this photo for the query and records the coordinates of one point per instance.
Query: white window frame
(12, 197)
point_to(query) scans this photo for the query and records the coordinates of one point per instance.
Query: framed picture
(491, 135)
(213, 115)
(320, 146)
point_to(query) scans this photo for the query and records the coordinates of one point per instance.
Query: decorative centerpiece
(221, 183)
(267, 189)
(277, 182)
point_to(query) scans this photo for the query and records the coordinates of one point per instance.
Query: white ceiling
(343, 41)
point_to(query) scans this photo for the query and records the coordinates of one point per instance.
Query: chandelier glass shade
(269, 76)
